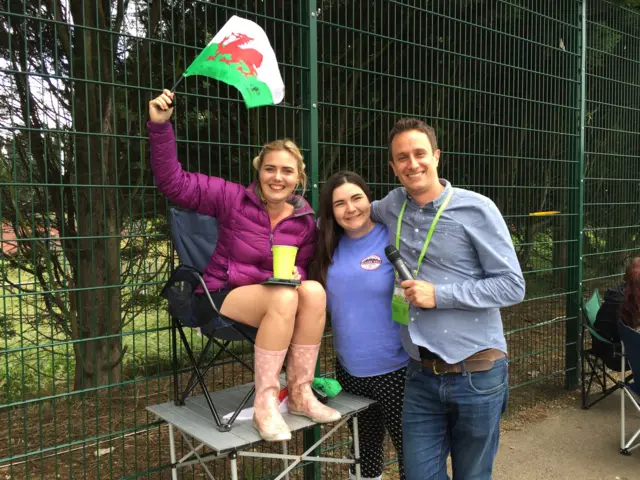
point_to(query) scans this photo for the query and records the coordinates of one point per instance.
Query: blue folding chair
(194, 237)
(631, 389)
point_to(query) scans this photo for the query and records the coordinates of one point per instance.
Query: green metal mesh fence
(612, 141)
(534, 106)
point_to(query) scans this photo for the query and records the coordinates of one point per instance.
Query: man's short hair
(408, 124)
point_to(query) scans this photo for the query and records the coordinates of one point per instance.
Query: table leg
(172, 451)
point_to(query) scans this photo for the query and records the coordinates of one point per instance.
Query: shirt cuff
(159, 127)
(444, 296)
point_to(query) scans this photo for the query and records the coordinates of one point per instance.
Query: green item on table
(329, 386)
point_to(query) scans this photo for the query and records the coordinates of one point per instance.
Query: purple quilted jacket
(243, 252)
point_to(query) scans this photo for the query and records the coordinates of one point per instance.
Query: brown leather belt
(478, 362)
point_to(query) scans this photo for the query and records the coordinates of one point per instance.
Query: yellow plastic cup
(284, 259)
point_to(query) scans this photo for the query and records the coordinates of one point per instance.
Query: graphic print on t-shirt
(372, 262)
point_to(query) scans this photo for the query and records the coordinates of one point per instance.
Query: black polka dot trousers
(388, 391)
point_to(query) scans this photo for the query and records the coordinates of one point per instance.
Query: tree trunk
(97, 275)
(98, 363)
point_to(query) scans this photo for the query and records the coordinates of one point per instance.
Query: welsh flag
(240, 54)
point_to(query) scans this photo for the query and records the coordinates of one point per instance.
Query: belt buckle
(434, 369)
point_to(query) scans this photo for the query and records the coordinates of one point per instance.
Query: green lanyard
(431, 228)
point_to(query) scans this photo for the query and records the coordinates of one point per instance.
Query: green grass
(37, 361)
(34, 365)
(36, 358)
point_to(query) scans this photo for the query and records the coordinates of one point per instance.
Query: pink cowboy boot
(301, 365)
(266, 416)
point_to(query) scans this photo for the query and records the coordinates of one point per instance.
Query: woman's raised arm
(195, 191)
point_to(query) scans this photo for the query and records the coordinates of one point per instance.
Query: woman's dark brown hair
(329, 232)
(630, 308)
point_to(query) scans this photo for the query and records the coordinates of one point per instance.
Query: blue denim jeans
(452, 413)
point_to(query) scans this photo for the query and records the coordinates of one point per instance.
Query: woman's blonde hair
(290, 147)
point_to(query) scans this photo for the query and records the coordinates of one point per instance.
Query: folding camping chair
(194, 237)
(594, 366)
(630, 354)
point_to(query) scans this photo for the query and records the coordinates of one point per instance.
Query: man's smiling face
(415, 163)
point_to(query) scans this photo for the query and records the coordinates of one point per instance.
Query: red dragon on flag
(250, 57)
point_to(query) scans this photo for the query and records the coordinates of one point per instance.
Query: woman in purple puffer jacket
(252, 219)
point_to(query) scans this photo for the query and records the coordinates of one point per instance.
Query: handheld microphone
(394, 257)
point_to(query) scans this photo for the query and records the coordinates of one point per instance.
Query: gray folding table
(194, 421)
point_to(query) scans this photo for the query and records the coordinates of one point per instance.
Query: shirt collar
(436, 202)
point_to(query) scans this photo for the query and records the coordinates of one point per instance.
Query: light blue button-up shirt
(470, 261)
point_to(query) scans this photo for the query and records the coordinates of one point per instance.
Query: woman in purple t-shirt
(351, 264)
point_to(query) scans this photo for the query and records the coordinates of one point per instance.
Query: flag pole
(177, 83)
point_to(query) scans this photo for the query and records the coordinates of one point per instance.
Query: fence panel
(86, 336)
(507, 124)
(612, 165)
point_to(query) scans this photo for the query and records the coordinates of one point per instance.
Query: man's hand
(419, 293)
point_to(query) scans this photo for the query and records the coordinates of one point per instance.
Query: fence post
(574, 301)
(311, 436)
(312, 53)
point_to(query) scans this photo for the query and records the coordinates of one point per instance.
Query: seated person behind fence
(250, 220)
(606, 325)
(351, 264)
(620, 303)
(630, 309)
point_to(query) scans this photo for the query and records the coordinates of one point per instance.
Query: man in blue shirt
(458, 246)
